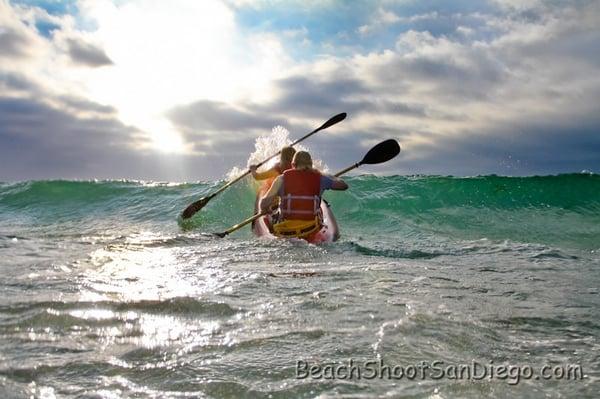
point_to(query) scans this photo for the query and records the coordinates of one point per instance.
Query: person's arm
(263, 175)
(333, 183)
(267, 200)
(339, 184)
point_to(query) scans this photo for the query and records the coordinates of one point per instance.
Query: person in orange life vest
(285, 163)
(300, 190)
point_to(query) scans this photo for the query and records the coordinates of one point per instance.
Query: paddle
(241, 224)
(196, 206)
(381, 153)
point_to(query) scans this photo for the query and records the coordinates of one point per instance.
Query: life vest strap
(287, 199)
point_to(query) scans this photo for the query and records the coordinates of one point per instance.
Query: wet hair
(302, 160)
(287, 154)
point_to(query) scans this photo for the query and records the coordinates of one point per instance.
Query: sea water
(439, 287)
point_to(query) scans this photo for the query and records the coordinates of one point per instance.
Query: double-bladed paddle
(196, 206)
(381, 153)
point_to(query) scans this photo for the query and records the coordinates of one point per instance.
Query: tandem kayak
(329, 232)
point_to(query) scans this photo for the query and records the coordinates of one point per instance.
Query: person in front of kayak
(299, 190)
(285, 163)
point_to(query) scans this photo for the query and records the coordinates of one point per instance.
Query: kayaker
(299, 190)
(285, 163)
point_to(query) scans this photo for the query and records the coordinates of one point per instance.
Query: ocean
(439, 287)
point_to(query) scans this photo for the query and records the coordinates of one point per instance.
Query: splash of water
(268, 144)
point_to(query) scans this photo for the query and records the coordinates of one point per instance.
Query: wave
(545, 209)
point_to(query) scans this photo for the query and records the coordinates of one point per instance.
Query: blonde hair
(287, 154)
(302, 160)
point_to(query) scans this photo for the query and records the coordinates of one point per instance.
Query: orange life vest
(300, 199)
(266, 184)
(280, 169)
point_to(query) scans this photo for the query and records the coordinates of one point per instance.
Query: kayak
(329, 232)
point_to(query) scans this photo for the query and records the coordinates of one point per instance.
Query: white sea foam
(268, 144)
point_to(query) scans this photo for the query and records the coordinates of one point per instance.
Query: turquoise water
(105, 293)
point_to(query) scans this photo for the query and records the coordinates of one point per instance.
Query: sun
(163, 55)
(167, 54)
(165, 138)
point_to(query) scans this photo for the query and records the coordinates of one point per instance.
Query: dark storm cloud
(87, 54)
(309, 96)
(38, 141)
(82, 104)
(452, 80)
(465, 74)
(42, 141)
(304, 96)
(13, 43)
(297, 97)
(437, 84)
(513, 92)
(17, 82)
(26, 118)
(519, 149)
(340, 151)
(209, 116)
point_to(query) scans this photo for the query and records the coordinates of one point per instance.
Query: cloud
(87, 54)
(309, 94)
(15, 82)
(84, 140)
(459, 105)
(303, 97)
(38, 139)
(379, 20)
(17, 40)
(106, 122)
(12, 44)
(306, 95)
(518, 71)
(85, 105)
(206, 118)
(541, 147)
(468, 88)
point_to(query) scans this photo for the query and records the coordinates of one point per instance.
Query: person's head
(302, 160)
(287, 154)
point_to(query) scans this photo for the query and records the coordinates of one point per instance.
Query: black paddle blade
(220, 235)
(334, 119)
(194, 207)
(382, 152)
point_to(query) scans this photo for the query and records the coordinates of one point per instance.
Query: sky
(180, 90)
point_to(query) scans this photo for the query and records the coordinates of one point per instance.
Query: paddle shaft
(327, 124)
(348, 169)
(197, 205)
(258, 215)
(241, 224)
(382, 152)
(258, 165)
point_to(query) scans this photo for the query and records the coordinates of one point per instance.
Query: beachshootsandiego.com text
(436, 370)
